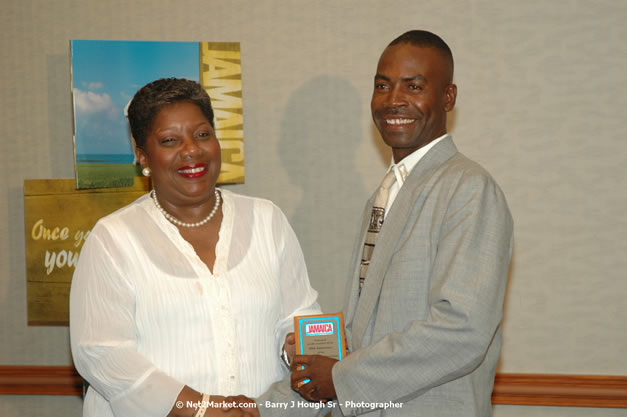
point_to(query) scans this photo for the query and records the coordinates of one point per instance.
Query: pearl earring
(146, 171)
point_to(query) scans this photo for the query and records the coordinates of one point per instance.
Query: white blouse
(148, 317)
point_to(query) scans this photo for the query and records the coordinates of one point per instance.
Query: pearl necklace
(176, 221)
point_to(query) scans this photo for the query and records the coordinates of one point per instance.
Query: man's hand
(317, 369)
(244, 406)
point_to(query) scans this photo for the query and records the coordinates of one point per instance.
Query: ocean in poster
(103, 158)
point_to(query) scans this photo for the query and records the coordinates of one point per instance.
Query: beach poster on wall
(107, 74)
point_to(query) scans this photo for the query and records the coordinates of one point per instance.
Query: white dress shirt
(404, 168)
(148, 317)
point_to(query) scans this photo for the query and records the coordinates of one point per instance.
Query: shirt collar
(404, 168)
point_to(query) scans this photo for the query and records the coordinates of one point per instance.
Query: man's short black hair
(425, 39)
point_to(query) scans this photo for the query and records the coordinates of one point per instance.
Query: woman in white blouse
(189, 292)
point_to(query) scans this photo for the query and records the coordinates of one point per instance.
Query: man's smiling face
(412, 94)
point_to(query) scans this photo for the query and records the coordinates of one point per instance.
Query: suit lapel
(390, 235)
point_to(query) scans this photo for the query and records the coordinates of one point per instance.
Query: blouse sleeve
(297, 296)
(103, 337)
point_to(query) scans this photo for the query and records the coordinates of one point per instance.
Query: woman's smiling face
(183, 153)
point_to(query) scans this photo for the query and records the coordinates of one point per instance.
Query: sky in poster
(106, 75)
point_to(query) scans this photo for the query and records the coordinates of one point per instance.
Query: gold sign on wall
(58, 219)
(221, 77)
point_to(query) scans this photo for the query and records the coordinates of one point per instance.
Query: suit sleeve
(466, 291)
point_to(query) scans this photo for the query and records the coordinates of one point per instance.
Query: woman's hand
(218, 405)
(289, 347)
(240, 405)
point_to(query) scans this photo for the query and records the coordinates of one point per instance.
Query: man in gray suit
(425, 328)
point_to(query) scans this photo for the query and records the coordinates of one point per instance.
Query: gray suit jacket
(425, 333)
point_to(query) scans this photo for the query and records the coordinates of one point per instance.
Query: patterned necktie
(376, 221)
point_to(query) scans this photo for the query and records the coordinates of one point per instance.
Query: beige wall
(541, 105)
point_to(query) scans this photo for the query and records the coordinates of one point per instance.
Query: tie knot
(381, 197)
(388, 180)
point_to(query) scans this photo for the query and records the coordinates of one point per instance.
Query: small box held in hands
(320, 334)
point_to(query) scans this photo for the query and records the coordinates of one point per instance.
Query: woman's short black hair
(156, 95)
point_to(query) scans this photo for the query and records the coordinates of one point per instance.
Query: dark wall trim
(560, 390)
(40, 380)
(509, 389)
